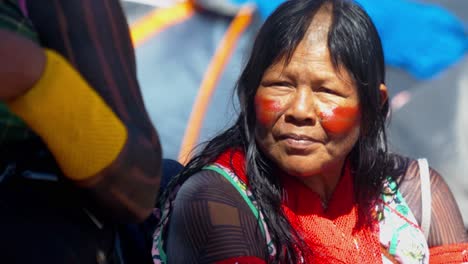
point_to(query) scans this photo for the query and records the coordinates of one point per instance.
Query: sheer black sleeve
(94, 37)
(211, 222)
(446, 221)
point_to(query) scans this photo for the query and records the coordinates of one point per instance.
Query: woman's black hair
(354, 44)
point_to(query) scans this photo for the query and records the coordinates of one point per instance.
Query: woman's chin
(308, 166)
(301, 171)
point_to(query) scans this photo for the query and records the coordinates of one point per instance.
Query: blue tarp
(423, 39)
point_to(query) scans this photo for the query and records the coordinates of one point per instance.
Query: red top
(331, 233)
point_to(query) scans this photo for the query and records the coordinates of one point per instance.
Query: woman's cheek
(267, 110)
(340, 119)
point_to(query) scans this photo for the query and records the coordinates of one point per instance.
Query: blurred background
(190, 53)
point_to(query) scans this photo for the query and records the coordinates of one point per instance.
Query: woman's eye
(273, 83)
(328, 91)
(277, 84)
(283, 84)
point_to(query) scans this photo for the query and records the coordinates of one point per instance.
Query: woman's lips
(298, 141)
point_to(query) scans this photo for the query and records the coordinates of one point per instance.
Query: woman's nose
(301, 111)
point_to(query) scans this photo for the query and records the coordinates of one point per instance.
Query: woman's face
(308, 114)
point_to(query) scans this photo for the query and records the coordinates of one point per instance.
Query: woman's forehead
(311, 59)
(320, 24)
(315, 40)
(308, 55)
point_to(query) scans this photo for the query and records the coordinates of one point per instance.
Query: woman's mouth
(298, 141)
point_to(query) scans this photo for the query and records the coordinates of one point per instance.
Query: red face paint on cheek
(267, 110)
(339, 119)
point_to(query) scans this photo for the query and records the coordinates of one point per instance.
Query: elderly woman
(304, 175)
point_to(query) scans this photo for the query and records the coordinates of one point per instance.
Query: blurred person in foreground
(78, 154)
(304, 175)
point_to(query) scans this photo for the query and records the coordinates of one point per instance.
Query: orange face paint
(267, 110)
(339, 119)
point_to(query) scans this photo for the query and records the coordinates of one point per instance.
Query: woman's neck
(325, 182)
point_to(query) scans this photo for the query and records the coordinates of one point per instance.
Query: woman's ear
(383, 94)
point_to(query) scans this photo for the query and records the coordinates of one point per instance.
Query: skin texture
(308, 112)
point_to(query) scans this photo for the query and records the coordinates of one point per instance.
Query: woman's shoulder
(209, 208)
(446, 224)
(406, 171)
(397, 166)
(411, 176)
(212, 188)
(204, 182)
(411, 173)
(215, 180)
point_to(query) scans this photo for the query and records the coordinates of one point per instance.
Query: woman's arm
(211, 223)
(95, 117)
(447, 226)
(446, 221)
